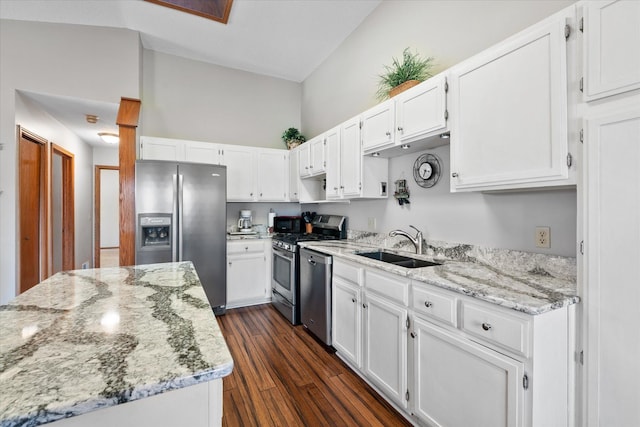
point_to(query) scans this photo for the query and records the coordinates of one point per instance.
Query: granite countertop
(86, 339)
(526, 282)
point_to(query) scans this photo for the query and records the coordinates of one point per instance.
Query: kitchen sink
(395, 259)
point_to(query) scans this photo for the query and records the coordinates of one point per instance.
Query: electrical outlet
(543, 237)
(371, 224)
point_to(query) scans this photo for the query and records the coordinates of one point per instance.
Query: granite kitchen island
(114, 346)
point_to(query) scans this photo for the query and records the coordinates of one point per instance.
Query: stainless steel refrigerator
(181, 215)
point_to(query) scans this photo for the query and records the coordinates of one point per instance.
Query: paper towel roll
(271, 216)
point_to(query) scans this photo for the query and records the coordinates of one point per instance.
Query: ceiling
(287, 39)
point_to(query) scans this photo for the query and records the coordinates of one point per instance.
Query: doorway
(32, 209)
(107, 216)
(62, 210)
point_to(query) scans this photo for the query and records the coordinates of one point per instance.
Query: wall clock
(426, 170)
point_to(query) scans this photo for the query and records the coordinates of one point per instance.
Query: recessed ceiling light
(376, 154)
(109, 138)
(445, 135)
(405, 146)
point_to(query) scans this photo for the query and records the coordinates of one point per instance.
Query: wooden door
(32, 209)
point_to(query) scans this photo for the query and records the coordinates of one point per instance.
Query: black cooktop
(294, 238)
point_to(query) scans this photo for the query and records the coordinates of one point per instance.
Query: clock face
(425, 170)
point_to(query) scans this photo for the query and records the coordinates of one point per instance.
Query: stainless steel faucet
(417, 241)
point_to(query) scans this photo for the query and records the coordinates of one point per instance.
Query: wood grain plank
(311, 386)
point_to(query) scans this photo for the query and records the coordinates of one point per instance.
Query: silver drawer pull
(486, 326)
(353, 300)
(428, 304)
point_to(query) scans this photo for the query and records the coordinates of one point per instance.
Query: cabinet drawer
(505, 330)
(346, 271)
(434, 304)
(244, 246)
(388, 285)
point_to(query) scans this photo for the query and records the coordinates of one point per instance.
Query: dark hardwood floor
(284, 377)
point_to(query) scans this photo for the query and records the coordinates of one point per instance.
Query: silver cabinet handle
(353, 300)
(427, 304)
(413, 335)
(260, 194)
(364, 305)
(246, 248)
(455, 174)
(486, 326)
(400, 128)
(335, 188)
(311, 261)
(388, 133)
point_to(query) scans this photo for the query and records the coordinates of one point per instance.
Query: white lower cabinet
(248, 272)
(385, 346)
(450, 360)
(347, 321)
(461, 383)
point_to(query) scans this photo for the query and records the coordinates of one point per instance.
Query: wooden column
(127, 120)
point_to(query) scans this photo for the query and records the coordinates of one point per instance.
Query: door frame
(68, 206)
(96, 216)
(43, 215)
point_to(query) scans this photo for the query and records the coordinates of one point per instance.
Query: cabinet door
(385, 354)
(241, 173)
(611, 47)
(612, 250)
(460, 383)
(273, 180)
(318, 155)
(377, 127)
(294, 176)
(351, 153)
(202, 152)
(421, 111)
(246, 279)
(334, 190)
(152, 148)
(346, 321)
(509, 113)
(304, 160)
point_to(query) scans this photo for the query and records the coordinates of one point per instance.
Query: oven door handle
(283, 254)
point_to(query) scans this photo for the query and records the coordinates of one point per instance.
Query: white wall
(105, 156)
(451, 31)
(501, 220)
(30, 115)
(101, 64)
(187, 99)
(109, 208)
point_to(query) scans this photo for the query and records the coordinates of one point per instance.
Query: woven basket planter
(402, 87)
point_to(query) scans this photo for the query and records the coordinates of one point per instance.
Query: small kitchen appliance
(245, 220)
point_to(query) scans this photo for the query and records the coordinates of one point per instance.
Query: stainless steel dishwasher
(315, 293)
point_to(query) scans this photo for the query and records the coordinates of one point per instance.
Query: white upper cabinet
(273, 170)
(334, 164)
(318, 152)
(421, 111)
(611, 47)
(312, 154)
(203, 152)
(351, 156)
(508, 110)
(294, 176)
(378, 127)
(241, 173)
(152, 148)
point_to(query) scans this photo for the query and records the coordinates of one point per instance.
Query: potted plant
(292, 138)
(400, 76)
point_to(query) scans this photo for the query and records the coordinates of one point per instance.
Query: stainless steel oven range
(285, 272)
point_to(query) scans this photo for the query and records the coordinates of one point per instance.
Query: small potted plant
(400, 76)
(292, 138)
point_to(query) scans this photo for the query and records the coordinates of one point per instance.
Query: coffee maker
(245, 220)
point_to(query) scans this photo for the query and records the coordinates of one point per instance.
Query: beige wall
(94, 63)
(451, 31)
(187, 99)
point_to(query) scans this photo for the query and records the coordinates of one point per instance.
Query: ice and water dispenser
(154, 238)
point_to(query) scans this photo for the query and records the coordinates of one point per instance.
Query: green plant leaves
(412, 67)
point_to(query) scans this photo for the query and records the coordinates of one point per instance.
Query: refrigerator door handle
(174, 221)
(180, 209)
